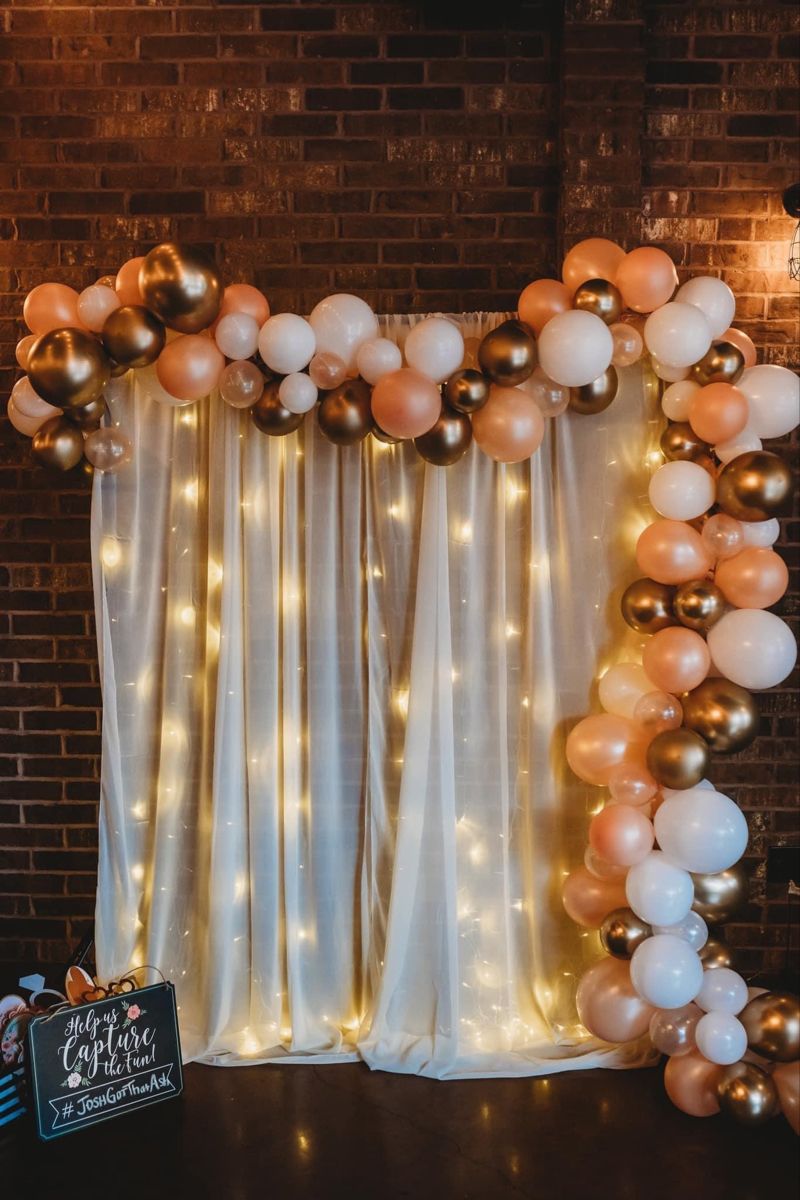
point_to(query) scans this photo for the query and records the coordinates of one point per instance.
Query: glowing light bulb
(187, 615)
(401, 702)
(215, 571)
(111, 553)
(397, 511)
(191, 491)
(463, 532)
(139, 810)
(137, 872)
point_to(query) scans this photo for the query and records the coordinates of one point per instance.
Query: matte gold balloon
(716, 953)
(68, 367)
(747, 1094)
(752, 487)
(270, 416)
(58, 443)
(344, 414)
(596, 396)
(90, 416)
(647, 606)
(600, 298)
(699, 604)
(181, 286)
(466, 391)
(132, 336)
(723, 713)
(448, 440)
(508, 353)
(679, 442)
(622, 931)
(772, 1021)
(723, 363)
(719, 897)
(678, 758)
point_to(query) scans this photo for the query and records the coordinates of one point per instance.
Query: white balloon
(723, 990)
(752, 647)
(714, 299)
(658, 890)
(666, 971)
(678, 334)
(692, 929)
(622, 686)
(761, 533)
(435, 348)
(677, 398)
(704, 784)
(701, 831)
(236, 335)
(682, 490)
(575, 348)
(743, 442)
(342, 323)
(667, 373)
(95, 304)
(29, 403)
(286, 343)
(298, 393)
(774, 396)
(378, 357)
(721, 1038)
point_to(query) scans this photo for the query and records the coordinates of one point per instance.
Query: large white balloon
(435, 347)
(714, 299)
(692, 929)
(378, 357)
(723, 990)
(721, 1038)
(666, 971)
(774, 396)
(575, 348)
(682, 490)
(761, 533)
(658, 890)
(741, 444)
(342, 323)
(701, 831)
(622, 686)
(677, 398)
(752, 647)
(677, 334)
(286, 343)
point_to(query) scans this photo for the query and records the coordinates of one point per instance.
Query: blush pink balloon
(676, 659)
(601, 869)
(757, 577)
(23, 349)
(95, 303)
(621, 834)
(742, 342)
(510, 426)
(126, 284)
(189, 367)
(243, 298)
(718, 412)
(690, 1082)
(647, 278)
(51, 306)
(23, 423)
(29, 403)
(541, 300)
(672, 552)
(588, 900)
(593, 258)
(598, 744)
(609, 1006)
(630, 783)
(406, 403)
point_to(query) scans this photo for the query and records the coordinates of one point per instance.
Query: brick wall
(387, 149)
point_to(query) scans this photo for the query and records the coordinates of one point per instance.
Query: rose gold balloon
(672, 552)
(742, 342)
(587, 899)
(786, 1078)
(406, 403)
(190, 366)
(630, 783)
(22, 349)
(327, 370)
(657, 712)
(127, 282)
(510, 426)
(647, 278)
(598, 744)
(51, 306)
(628, 344)
(757, 577)
(593, 258)
(718, 412)
(609, 1006)
(691, 1084)
(541, 300)
(242, 298)
(676, 659)
(621, 835)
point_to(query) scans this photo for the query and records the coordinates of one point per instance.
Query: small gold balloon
(508, 353)
(381, 435)
(107, 281)
(698, 605)
(679, 442)
(723, 363)
(772, 1021)
(647, 605)
(344, 414)
(622, 931)
(716, 953)
(747, 1094)
(678, 758)
(68, 367)
(600, 298)
(754, 486)
(269, 414)
(133, 336)
(90, 416)
(448, 440)
(466, 391)
(596, 396)
(58, 444)
(723, 713)
(182, 286)
(118, 370)
(719, 896)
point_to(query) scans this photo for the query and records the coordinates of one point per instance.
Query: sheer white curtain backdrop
(336, 684)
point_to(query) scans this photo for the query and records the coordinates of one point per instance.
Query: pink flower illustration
(133, 1012)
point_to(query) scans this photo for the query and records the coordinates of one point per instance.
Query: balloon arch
(709, 573)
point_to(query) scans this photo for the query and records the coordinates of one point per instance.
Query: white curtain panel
(336, 686)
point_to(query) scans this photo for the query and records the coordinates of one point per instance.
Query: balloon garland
(663, 853)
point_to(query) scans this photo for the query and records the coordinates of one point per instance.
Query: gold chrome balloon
(747, 1094)
(466, 391)
(68, 367)
(716, 953)
(679, 442)
(58, 443)
(600, 298)
(132, 336)
(596, 396)
(753, 487)
(90, 416)
(181, 286)
(269, 414)
(107, 281)
(622, 931)
(678, 758)
(448, 440)
(381, 435)
(507, 354)
(723, 713)
(772, 1021)
(723, 363)
(699, 604)
(719, 896)
(344, 414)
(647, 606)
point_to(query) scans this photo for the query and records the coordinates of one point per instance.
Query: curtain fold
(336, 685)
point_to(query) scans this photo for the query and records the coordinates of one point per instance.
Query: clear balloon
(286, 343)
(676, 659)
(108, 449)
(690, 1081)
(761, 533)
(720, 1037)
(723, 536)
(378, 357)
(327, 371)
(435, 347)
(677, 334)
(510, 426)
(672, 1030)
(50, 306)
(189, 367)
(622, 686)
(575, 348)
(542, 300)
(756, 577)
(593, 258)
(601, 869)
(658, 711)
(677, 398)
(241, 384)
(608, 1004)
(621, 834)
(551, 397)
(631, 783)
(647, 278)
(666, 971)
(598, 744)
(236, 335)
(587, 899)
(628, 344)
(718, 412)
(701, 831)
(753, 648)
(298, 393)
(341, 324)
(723, 990)
(713, 298)
(692, 929)
(672, 552)
(659, 891)
(95, 304)
(681, 490)
(773, 394)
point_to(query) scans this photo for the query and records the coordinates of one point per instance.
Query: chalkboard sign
(100, 1060)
